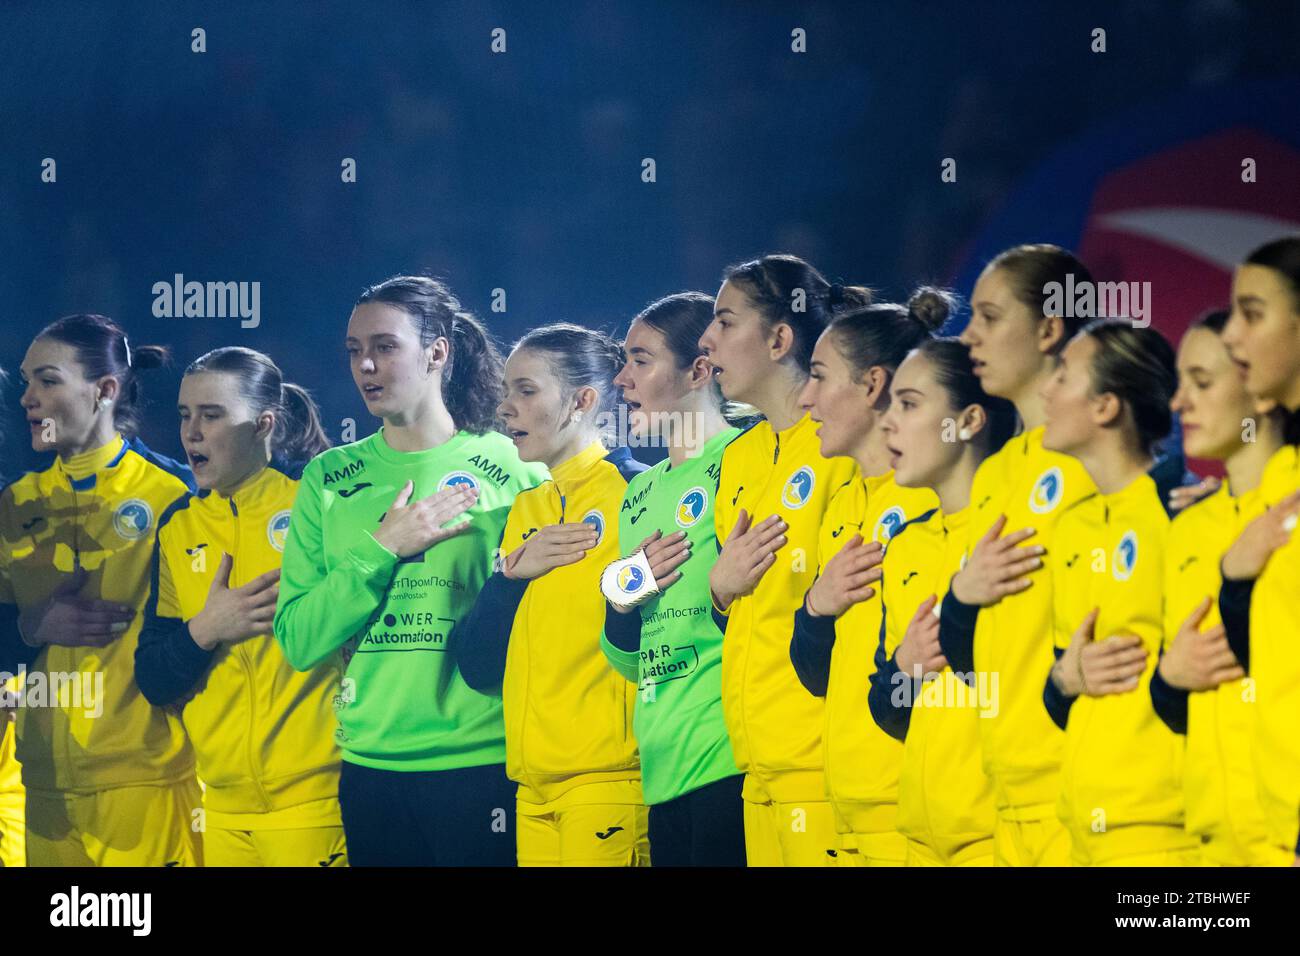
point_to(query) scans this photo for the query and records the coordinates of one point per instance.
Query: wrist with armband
(628, 582)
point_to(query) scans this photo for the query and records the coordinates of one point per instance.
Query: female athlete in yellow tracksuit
(837, 628)
(939, 427)
(775, 486)
(109, 778)
(1121, 777)
(1199, 688)
(1260, 599)
(535, 628)
(262, 732)
(13, 830)
(997, 612)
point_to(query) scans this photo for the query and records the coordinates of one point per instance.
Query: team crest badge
(132, 519)
(887, 524)
(1125, 557)
(691, 506)
(798, 488)
(277, 529)
(1047, 491)
(597, 521)
(457, 479)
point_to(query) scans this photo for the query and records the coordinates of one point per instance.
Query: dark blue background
(522, 170)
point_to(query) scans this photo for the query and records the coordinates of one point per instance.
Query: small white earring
(964, 434)
(577, 416)
(105, 403)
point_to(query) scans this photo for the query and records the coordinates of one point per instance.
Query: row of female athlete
(926, 607)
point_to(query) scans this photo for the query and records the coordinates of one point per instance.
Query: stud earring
(964, 434)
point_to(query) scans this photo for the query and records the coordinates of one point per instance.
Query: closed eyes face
(1068, 399)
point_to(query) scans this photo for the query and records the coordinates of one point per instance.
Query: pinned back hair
(1030, 268)
(102, 349)
(1283, 257)
(881, 334)
(298, 435)
(955, 374)
(580, 358)
(1139, 367)
(471, 379)
(785, 288)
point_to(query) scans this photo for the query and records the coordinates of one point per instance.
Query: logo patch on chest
(458, 479)
(1047, 491)
(691, 506)
(1125, 558)
(277, 529)
(597, 521)
(132, 519)
(798, 488)
(888, 523)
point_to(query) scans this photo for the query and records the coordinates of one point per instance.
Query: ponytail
(881, 334)
(298, 435)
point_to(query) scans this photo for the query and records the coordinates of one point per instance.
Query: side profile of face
(224, 439)
(842, 406)
(60, 403)
(1263, 334)
(1003, 336)
(1212, 401)
(919, 419)
(738, 345)
(535, 406)
(653, 385)
(1070, 407)
(389, 366)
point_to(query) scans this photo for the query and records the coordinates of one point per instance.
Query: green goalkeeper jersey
(402, 704)
(676, 661)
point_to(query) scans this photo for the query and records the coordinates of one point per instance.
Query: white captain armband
(628, 582)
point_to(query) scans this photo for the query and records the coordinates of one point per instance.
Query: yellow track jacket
(263, 732)
(775, 725)
(1275, 666)
(945, 800)
(1022, 748)
(836, 659)
(1221, 794)
(568, 715)
(1122, 771)
(84, 725)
